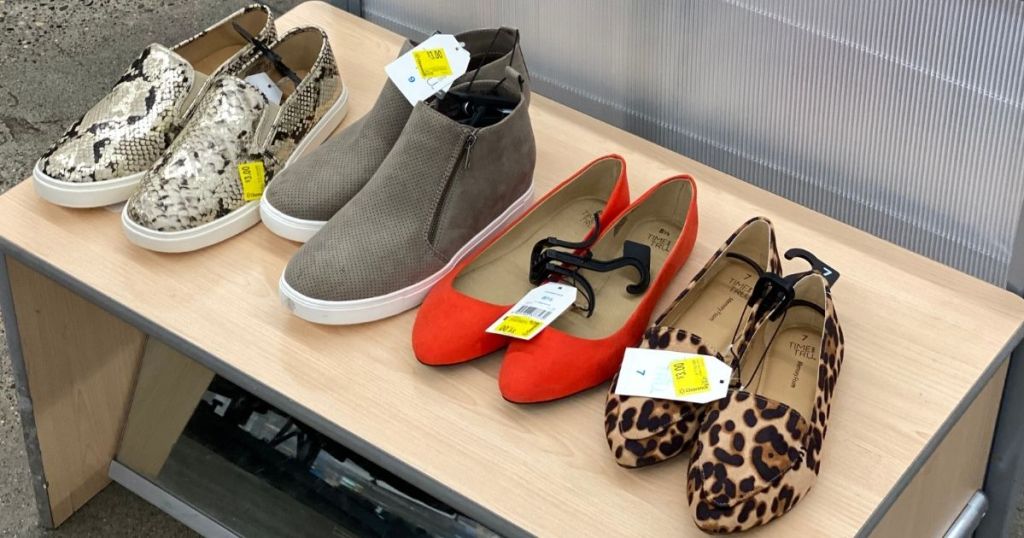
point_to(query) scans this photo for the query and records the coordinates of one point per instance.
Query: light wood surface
(956, 470)
(918, 336)
(166, 394)
(80, 362)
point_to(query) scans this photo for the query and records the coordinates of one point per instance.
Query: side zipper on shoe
(461, 162)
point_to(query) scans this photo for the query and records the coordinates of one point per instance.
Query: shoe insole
(501, 275)
(613, 303)
(715, 310)
(209, 63)
(790, 369)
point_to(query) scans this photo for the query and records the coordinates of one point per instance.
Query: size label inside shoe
(669, 375)
(253, 178)
(429, 68)
(535, 311)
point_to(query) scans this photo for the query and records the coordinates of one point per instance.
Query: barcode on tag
(533, 311)
(536, 310)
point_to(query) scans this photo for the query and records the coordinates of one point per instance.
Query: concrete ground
(57, 58)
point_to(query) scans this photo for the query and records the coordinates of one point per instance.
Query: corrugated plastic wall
(903, 118)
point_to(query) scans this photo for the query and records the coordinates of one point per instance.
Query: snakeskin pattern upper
(315, 95)
(129, 129)
(196, 181)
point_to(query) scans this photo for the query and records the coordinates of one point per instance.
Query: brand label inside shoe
(669, 375)
(265, 85)
(535, 311)
(429, 68)
(253, 178)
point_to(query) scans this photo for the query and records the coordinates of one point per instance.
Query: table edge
(940, 435)
(414, 476)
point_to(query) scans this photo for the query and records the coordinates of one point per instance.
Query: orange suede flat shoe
(583, 347)
(450, 325)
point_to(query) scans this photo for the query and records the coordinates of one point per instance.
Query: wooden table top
(918, 334)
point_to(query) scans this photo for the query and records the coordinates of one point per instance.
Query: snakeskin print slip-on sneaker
(305, 197)
(206, 187)
(103, 156)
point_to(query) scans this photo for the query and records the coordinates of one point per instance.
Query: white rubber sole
(196, 238)
(240, 219)
(288, 227)
(396, 302)
(83, 195)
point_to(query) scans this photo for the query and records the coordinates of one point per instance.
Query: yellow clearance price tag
(689, 376)
(518, 326)
(535, 311)
(432, 63)
(253, 177)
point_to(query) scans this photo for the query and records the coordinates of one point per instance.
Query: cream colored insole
(715, 310)
(208, 64)
(613, 303)
(500, 276)
(790, 369)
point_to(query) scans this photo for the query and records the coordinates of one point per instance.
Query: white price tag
(535, 311)
(263, 83)
(670, 375)
(429, 68)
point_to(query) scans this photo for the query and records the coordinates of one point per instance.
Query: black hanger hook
(831, 274)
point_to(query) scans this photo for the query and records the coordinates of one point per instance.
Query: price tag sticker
(429, 68)
(253, 177)
(690, 376)
(535, 311)
(671, 375)
(432, 63)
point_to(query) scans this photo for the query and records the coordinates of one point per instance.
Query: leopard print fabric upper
(755, 458)
(197, 181)
(643, 431)
(131, 127)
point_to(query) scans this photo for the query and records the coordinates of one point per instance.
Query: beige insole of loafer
(500, 275)
(791, 369)
(716, 307)
(789, 373)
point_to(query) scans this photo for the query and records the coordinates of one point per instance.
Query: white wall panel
(903, 118)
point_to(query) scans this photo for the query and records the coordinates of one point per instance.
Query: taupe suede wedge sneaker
(460, 171)
(301, 200)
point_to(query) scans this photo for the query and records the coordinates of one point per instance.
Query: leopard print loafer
(759, 448)
(103, 156)
(206, 187)
(705, 318)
